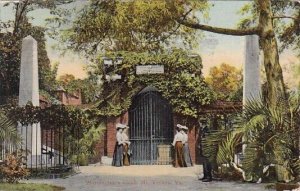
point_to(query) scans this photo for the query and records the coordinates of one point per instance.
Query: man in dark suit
(207, 167)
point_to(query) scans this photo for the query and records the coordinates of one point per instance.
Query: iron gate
(151, 127)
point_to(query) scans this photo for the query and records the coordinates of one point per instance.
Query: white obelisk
(29, 92)
(251, 81)
(252, 84)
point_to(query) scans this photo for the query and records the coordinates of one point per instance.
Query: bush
(12, 169)
(81, 159)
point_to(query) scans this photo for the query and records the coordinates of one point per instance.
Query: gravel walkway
(144, 178)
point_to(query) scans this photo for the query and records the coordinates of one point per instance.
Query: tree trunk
(268, 43)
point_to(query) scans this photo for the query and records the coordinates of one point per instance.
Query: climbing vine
(182, 83)
(56, 115)
(80, 130)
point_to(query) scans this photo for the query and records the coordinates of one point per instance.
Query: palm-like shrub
(11, 168)
(8, 132)
(270, 137)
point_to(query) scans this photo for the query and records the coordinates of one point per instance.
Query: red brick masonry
(111, 135)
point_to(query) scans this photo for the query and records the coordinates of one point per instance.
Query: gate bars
(151, 129)
(56, 150)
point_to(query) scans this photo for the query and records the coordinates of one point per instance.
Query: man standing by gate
(207, 167)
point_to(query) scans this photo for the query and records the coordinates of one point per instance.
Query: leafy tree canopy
(135, 25)
(87, 87)
(131, 25)
(286, 17)
(226, 81)
(182, 82)
(11, 34)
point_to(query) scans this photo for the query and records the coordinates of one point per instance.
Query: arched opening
(151, 128)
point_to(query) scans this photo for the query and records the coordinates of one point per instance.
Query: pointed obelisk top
(29, 37)
(29, 80)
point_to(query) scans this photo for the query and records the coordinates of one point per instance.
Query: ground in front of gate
(145, 178)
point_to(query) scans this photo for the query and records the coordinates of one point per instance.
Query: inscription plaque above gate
(150, 69)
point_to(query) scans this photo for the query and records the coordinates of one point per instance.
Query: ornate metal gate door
(151, 128)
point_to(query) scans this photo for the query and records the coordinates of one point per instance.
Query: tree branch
(174, 30)
(18, 16)
(284, 17)
(225, 31)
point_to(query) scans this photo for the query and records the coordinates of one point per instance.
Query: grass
(29, 187)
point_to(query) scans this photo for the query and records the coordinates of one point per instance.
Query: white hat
(120, 126)
(182, 127)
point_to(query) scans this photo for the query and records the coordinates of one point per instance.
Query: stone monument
(252, 84)
(251, 75)
(29, 92)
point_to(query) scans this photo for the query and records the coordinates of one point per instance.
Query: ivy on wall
(79, 132)
(54, 116)
(182, 83)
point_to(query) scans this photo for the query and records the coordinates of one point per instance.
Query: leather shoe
(202, 178)
(207, 180)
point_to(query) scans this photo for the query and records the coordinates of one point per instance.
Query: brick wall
(69, 99)
(111, 132)
(111, 135)
(99, 149)
(51, 137)
(192, 143)
(47, 137)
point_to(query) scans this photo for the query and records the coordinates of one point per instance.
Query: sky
(213, 48)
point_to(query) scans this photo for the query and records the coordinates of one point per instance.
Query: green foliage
(49, 97)
(12, 169)
(57, 115)
(271, 136)
(286, 21)
(186, 93)
(87, 145)
(8, 132)
(12, 33)
(87, 87)
(131, 25)
(30, 187)
(81, 130)
(10, 51)
(226, 81)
